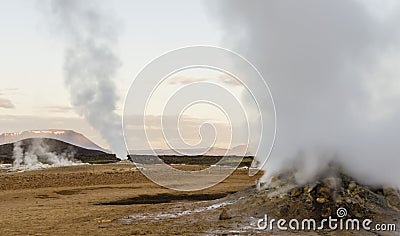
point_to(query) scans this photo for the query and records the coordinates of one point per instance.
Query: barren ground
(105, 200)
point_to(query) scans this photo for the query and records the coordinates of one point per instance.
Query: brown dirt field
(105, 200)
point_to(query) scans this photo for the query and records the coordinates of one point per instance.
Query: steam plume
(37, 155)
(90, 65)
(332, 67)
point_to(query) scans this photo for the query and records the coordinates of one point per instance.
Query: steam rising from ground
(90, 64)
(37, 155)
(333, 68)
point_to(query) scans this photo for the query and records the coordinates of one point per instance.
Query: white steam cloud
(90, 64)
(37, 155)
(334, 71)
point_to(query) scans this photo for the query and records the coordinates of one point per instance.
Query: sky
(33, 94)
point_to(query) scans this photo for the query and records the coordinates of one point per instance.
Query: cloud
(58, 109)
(227, 79)
(8, 90)
(186, 79)
(190, 128)
(6, 103)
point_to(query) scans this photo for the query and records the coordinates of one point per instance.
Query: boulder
(224, 215)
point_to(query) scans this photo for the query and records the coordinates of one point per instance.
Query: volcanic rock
(352, 186)
(393, 197)
(224, 215)
(295, 192)
(319, 199)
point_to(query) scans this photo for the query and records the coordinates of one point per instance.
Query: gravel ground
(111, 199)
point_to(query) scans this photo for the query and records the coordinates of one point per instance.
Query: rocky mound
(327, 196)
(58, 147)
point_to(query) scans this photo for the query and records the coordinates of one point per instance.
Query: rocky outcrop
(332, 194)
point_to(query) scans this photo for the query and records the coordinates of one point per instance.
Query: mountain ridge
(68, 136)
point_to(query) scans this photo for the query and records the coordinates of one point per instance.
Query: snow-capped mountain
(68, 136)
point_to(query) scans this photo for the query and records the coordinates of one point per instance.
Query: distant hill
(59, 147)
(240, 150)
(68, 136)
(193, 160)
